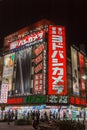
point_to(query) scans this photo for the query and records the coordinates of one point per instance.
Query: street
(5, 126)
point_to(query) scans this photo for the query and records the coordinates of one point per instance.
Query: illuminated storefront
(38, 71)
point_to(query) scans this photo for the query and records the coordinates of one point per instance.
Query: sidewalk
(5, 126)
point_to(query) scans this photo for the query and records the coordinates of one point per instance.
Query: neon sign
(77, 101)
(36, 99)
(15, 101)
(58, 99)
(57, 61)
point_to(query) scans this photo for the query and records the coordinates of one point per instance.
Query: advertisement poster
(82, 73)
(8, 67)
(75, 80)
(57, 61)
(23, 71)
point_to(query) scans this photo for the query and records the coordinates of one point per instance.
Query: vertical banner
(8, 67)
(75, 82)
(4, 93)
(38, 68)
(82, 73)
(38, 83)
(57, 61)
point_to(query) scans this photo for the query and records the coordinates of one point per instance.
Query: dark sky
(16, 14)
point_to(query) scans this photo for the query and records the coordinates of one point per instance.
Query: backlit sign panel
(40, 68)
(15, 101)
(77, 101)
(57, 61)
(58, 99)
(27, 39)
(82, 73)
(75, 78)
(36, 99)
(38, 83)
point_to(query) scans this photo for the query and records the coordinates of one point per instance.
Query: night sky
(16, 14)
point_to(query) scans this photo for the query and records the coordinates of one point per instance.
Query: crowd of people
(38, 116)
(10, 115)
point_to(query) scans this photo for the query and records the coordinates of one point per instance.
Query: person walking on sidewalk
(9, 118)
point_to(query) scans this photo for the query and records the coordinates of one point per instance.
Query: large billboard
(30, 69)
(82, 74)
(75, 78)
(23, 63)
(20, 37)
(57, 61)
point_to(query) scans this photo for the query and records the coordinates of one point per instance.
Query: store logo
(57, 60)
(28, 39)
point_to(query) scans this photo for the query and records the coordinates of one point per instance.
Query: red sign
(38, 67)
(77, 101)
(38, 59)
(38, 83)
(15, 101)
(82, 73)
(57, 61)
(39, 49)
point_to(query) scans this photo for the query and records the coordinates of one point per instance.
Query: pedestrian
(35, 123)
(9, 118)
(46, 116)
(16, 115)
(28, 115)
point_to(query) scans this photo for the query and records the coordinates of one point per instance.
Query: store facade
(38, 73)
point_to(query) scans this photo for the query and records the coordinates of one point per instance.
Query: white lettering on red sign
(57, 60)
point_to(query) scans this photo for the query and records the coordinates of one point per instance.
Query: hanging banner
(82, 73)
(7, 76)
(75, 81)
(57, 61)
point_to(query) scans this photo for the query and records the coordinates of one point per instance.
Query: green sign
(36, 99)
